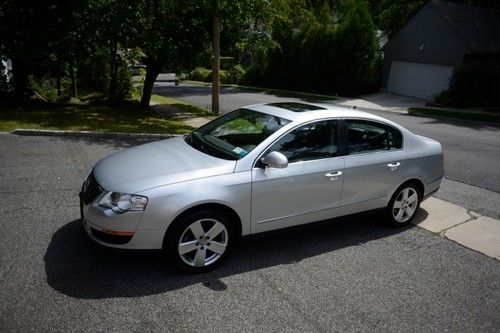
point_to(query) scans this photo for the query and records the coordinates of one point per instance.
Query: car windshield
(235, 134)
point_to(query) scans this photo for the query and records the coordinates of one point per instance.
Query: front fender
(167, 202)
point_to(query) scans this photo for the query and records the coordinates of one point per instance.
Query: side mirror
(275, 160)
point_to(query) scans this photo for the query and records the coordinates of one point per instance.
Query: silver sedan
(256, 169)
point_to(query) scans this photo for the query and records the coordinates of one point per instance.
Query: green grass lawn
(457, 114)
(196, 110)
(126, 117)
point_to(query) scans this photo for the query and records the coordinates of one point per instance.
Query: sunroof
(296, 107)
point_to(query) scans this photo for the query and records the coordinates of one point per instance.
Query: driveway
(471, 149)
(382, 101)
(344, 275)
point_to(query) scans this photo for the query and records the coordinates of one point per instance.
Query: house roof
(478, 28)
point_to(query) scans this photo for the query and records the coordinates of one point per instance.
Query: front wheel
(199, 241)
(403, 205)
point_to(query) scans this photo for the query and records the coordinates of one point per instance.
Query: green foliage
(247, 25)
(94, 72)
(443, 98)
(333, 51)
(125, 88)
(48, 38)
(319, 45)
(394, 14)
(200, 74)
(226, 63)
(230, 76)
(46, 87)
(357, 51)
(235, 74)
(476, 83)
(172, 33)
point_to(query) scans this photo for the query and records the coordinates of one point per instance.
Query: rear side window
(309, 142)
(366, 136)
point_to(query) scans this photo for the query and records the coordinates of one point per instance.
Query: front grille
(90, 189)
(111, 239)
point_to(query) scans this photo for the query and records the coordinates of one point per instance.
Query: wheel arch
(218, 207)
(414, 180)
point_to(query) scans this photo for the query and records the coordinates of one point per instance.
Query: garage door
(418, 79)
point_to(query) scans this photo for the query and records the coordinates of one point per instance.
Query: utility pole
(215, 57)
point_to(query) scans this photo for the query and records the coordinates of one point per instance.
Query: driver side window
(312, 141)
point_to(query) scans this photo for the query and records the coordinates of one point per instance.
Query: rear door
(374, 158)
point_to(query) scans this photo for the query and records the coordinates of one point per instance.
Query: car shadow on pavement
(77, 267)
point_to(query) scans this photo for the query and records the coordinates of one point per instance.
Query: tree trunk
(20, 77)
(147, 90)
(215, 60)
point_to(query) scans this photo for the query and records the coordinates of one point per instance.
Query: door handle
(333, 174)
(394, 165)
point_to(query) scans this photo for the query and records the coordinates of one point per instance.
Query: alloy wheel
(405, 205)
(203, 242)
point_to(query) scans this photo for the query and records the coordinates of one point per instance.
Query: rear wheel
(199, 241)
(403, 205)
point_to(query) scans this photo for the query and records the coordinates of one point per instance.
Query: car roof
(301, 112)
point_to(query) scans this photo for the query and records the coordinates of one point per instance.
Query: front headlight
(123, 202)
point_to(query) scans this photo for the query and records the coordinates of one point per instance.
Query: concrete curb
(89, 134)
(467, 228)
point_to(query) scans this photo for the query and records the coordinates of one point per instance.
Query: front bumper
(120, 231)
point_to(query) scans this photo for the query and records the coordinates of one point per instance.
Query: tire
(403, 205)
(199, 241)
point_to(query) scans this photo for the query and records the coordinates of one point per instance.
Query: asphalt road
(471, 149)
(345, 275)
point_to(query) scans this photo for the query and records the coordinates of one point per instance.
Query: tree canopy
(321, 45)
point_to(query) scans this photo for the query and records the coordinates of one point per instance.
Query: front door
(309, 188)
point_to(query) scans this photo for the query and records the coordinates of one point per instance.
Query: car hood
(156, 164)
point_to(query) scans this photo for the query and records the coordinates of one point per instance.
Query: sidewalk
(468, 228)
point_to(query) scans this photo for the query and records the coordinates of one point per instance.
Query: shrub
(475, 84)
(236, 74)
(200, 74)
(125, 87)
(323, 55)
(45, 87)
(444, 98)
(231, 76)
(93, 72)
(227, 63)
